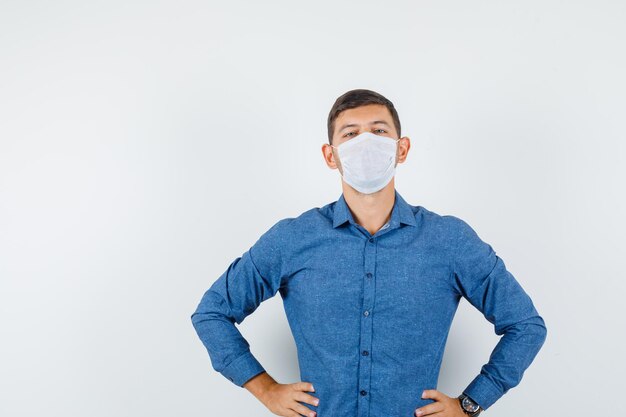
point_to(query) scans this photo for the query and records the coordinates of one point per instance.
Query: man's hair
(357, 98)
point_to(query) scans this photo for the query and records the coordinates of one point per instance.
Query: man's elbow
(538, 326)
(544, 331)
(202, 319)
(531, 331)
(195, 318)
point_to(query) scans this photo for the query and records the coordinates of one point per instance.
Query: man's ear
(403, 148)
(329, 154)
(330, 157)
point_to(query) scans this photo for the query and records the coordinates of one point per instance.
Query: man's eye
(347, 134)
(382, 130)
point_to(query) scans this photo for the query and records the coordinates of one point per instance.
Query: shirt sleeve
(482, 278)
(249, 280)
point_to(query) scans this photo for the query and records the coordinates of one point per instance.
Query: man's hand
(443, 406)
(282, 399)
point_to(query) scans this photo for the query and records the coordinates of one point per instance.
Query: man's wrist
(469, 406)
(259, 384)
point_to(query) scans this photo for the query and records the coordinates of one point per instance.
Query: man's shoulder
(314, 216)
(306, 220)
(443, 222)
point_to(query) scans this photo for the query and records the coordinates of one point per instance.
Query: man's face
(350, 123)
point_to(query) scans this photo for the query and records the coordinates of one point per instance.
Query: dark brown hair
(357, 98)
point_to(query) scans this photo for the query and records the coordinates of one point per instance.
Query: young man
(370, 286)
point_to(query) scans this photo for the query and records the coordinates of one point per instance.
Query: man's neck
(371, 211)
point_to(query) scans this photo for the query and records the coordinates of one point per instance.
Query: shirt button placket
(369, 256)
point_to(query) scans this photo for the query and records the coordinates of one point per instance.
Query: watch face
(470, 405)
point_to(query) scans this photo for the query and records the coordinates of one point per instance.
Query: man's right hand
(283, 399)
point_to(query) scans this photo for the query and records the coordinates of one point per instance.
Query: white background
(145, 145)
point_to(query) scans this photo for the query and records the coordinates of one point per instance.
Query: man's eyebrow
(371, 123)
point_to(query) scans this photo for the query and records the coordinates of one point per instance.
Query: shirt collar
(400, 213)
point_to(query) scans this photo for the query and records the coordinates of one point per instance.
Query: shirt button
(365, 353)
(366, 313)
(371, 240)
(363, 392)
(369, 275)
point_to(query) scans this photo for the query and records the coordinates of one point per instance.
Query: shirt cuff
(483, 391)
(242, 369)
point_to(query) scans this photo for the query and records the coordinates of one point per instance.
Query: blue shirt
(370, 314)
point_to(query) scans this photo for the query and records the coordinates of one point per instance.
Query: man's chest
(349, 277)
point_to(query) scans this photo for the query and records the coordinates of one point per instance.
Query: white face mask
(368, 161)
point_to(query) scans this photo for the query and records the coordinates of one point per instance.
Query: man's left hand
(443, 406)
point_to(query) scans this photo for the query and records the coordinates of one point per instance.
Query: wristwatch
(469, 406)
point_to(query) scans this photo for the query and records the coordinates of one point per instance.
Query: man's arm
(482, 278)
(249, 280)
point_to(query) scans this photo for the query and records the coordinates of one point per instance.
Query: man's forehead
(369, 114)
(373, 122)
